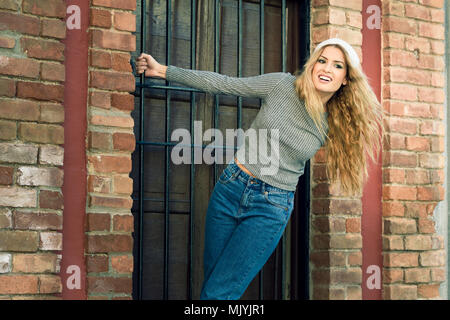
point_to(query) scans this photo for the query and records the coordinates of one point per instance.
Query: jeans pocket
(227, 176)
(278, 199)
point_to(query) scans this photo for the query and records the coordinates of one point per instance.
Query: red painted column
(372, 193)
(73, 270)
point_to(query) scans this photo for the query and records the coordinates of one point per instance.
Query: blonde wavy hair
(354, 123)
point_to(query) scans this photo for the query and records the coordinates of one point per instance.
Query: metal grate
(144, 87)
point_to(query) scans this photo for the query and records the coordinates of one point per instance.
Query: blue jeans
(245, 221)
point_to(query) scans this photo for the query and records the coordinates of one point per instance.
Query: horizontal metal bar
(163, 87)
(173, 144)
(135, 198)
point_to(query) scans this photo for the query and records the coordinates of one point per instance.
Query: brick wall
(336, 240)
(110, 144)
(413, 161)
(31, 151)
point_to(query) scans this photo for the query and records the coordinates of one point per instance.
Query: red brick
(431, 30)
(7, 42)
(19, 67)
(123, 185)
(123, 223)
(109, 243)
(19, 110)
(18, 284)
(124, 141)
(428, 290)
(98, 222)
(100, 18)
(111, 121)
(121, 61)
(100, 59)
(106, 164)
(53, 72)
(398, 225)
(37, 221)
(40, 91)
(110, 202)
(19, 23)
(8, 130)
(97, 263)
(99, 140)
(393, 208)
(43, 49)
(400, 25)
(125, 21)
(54, 28)
(99, 184)
(116, 4)
(6, 175)
(106, 39)
(113, 81)
(41, 133)
(8, 87)
(21, 241)
(109, 284)
(401, 259)
(100, 99)
(122, 264)
(35, 263)
(51, 200)
(122, 101)
(48, 8)
(400, 292)
(50, 284)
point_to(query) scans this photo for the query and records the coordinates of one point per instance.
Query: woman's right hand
(146, 63)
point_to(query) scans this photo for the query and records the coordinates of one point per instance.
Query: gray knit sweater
(282, 113)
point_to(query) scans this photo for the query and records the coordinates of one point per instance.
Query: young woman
(330, 102)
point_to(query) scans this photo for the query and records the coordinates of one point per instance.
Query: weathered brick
(50, 241)
(34, 176)
(5, 263)
(395, 225)
(7, 42)
(18, 284)
(96, 263)
(98, 222)
(122, 101)
(99, 184)
(124, 21)
(124, 141)
(346, 241)
(109, 284)
(48, 8)
(50, 154)
(40, 91)
(53, 28)
(110, 202)
(123, 223)
(123, 185)
(109, 243)
(122, 264)
(106, 39)
(99, 140)
(19, 23)
(6, 175)
(21, 241)
(116, 4)
(114, 81)
(34, 263)
(432, 258)
(401, 259)
(53, 72)
(112, 121)
(8, 130)
(5, 218)
(400, 292)
(107, 164)
(121, 61)
(19, 110)
(41, 133)
(43, 49)
(50, 284)
(417, 275)
(18, 153)
(51, 200)
(18, 197)
(7, 87)
(37, 220)
(100, 18)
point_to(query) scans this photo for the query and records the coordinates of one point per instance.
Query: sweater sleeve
(211, 82)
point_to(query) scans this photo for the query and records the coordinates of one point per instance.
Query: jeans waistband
(247, 179)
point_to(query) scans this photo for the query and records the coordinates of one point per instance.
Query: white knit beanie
(353, 56)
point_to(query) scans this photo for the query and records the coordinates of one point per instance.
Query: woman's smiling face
(329, 72)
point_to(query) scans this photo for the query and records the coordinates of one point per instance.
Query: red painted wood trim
(74, 189)
(372, 194)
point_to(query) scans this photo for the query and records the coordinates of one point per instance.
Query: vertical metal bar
(167, 168)
(192, 119)
(261, 71)
(239, 62)
(216, 69)
(141, 158)
(283, 66)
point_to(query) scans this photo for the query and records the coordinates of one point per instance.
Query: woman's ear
(344, 82)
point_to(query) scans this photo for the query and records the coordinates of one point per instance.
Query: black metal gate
(233, 37)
